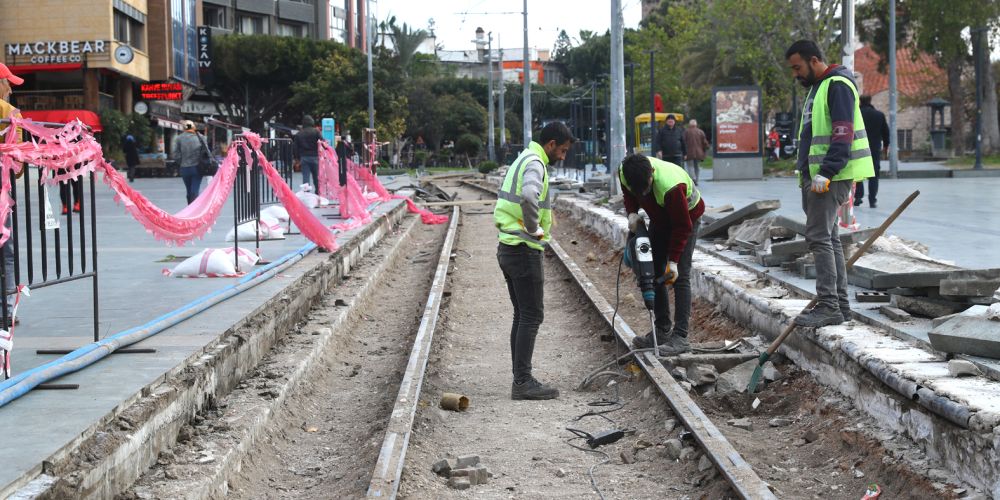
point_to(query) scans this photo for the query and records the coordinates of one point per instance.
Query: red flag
(658, 103)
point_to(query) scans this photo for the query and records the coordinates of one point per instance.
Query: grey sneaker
(675, 345)
(646, 341)
(533, 390)
(820, 316)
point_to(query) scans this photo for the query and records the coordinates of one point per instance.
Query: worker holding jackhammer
(833, 154)
(523, 216)
(674, 205)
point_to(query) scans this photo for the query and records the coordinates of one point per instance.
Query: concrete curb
(945, 416)
(159, 410)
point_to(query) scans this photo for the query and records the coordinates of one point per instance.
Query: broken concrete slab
(754, 210)
(969, 287)
(752, 232)
(737, 378)
(721, 362)
(702, 374)
(926, 306)
(798, 226)
(966, 334)
(771, 372)
(779, 233)
(961, 367)
(895, 314)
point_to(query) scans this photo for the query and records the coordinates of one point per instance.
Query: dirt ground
(828, 450)
(324, 441)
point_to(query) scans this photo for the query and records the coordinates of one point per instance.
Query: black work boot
(820, 316)
(675, 345)
(533, 390)
(845, 311)
(646, 341)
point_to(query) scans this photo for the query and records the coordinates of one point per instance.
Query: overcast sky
(455, 21)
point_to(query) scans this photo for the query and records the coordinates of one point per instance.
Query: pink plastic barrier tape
(352, 201)
(370, 181)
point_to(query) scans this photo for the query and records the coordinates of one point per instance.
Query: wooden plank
(745, 482)
(389, 467)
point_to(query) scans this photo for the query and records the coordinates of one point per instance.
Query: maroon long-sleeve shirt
(673, 217)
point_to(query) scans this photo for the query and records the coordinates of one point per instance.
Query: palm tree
(407, 42)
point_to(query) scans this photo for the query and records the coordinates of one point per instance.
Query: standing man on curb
(674, 205)
(695, 143)
(878, 140)
(523, 216)
(833, 154)
(669, 144)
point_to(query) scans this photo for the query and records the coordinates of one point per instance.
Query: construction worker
(523, 216)
(674, 206)
(833, 154)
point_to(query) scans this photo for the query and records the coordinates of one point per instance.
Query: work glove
(820, 184)
(670, 273)
(633, 222)
(539, 233)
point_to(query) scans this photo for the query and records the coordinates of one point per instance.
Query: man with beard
(833, 154)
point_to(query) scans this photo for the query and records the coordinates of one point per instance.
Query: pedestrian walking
(305, 150)
(186, 149)
(773, 145)
(674, 205)
(669, 143)
(695, 143)
(833, 154)
(523, 216)
(877, 129)
(7, 78)
(131, 150)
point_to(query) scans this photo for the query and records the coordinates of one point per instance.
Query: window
(183, 38)
(251, 25)
(128, 30)
(904, 139)
(288, 29)
(215, 16)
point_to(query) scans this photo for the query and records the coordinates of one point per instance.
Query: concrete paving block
(927, 307)
(444, 466)
(751, 211)
(895, 314)
(465, 461)
(794, 247)
(961, 367)
(872, 296)
(799, 227)
(974, 335)
(460, 483)
(969, 287)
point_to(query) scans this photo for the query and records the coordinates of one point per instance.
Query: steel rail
(389, 466)
(744, 481)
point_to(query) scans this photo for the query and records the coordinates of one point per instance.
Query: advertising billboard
(736, 121)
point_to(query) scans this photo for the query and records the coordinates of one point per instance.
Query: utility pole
(593, 128)
(371, 82)
(893, 135)
(652, 105)
(503, 109)
(847, 35)
(978, 48)
(527, 82)
(631, 107)
(616, 111)
(489, 129)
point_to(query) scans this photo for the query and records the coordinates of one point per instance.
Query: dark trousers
(522, 270)
(859, 188)
(192, 182)
(131, 171)
(65, 188)
(682, 286)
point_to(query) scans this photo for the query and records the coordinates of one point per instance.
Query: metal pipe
(978, 50)
(491, 147)
(893, 132)
(371, 84)
(652, 105)
(503, 109)
(527, 83)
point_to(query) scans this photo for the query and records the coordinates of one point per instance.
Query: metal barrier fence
(246, 200)
(279, 153)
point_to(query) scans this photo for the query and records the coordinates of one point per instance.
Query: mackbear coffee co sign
(58, 52)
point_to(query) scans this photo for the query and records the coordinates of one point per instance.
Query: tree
(407, 42)
(562, 47)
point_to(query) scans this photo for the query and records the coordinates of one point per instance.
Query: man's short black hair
(866, 100)
(556, 131)
(636, 169)
(806, 49)
(672, 117)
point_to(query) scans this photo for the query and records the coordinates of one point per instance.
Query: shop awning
(89, 118)
(24, 69)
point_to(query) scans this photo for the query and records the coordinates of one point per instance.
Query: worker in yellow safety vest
(833, 155)
(523, 217)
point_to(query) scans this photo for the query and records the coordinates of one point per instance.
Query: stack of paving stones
(463, 472)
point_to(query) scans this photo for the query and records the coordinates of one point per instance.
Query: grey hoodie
(186, 149)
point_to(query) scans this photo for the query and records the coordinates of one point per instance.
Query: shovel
(764, 356)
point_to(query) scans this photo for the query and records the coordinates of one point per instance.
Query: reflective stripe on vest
(859, 165)
(666, 176)
(507, 215)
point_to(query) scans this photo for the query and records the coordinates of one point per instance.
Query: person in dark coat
(131, 150)
(878, 140)
(669, 144)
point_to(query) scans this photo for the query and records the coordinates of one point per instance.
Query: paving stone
(465, 461)
(969, 287)
(895, 314)
(741, 423)
(961, 367)
(973, 335)
(751, 211)
(737, 378)
(795, 225)
(927, 307)
(702, 374)
(444, 466)
(460, 483)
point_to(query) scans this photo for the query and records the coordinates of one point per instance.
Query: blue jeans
(310, 169)
(192, 182)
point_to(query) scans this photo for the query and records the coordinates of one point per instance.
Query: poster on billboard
(736, 120)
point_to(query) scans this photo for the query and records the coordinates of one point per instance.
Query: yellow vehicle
(643, 137)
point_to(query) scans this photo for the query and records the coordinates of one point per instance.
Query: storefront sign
(205, 54)
(162, 91)
(64, 51)
(736, 118)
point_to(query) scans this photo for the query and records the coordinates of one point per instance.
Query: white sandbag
(246, 232)
(215, 263)
(271, 228)
(277, 212)
(308, 199)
